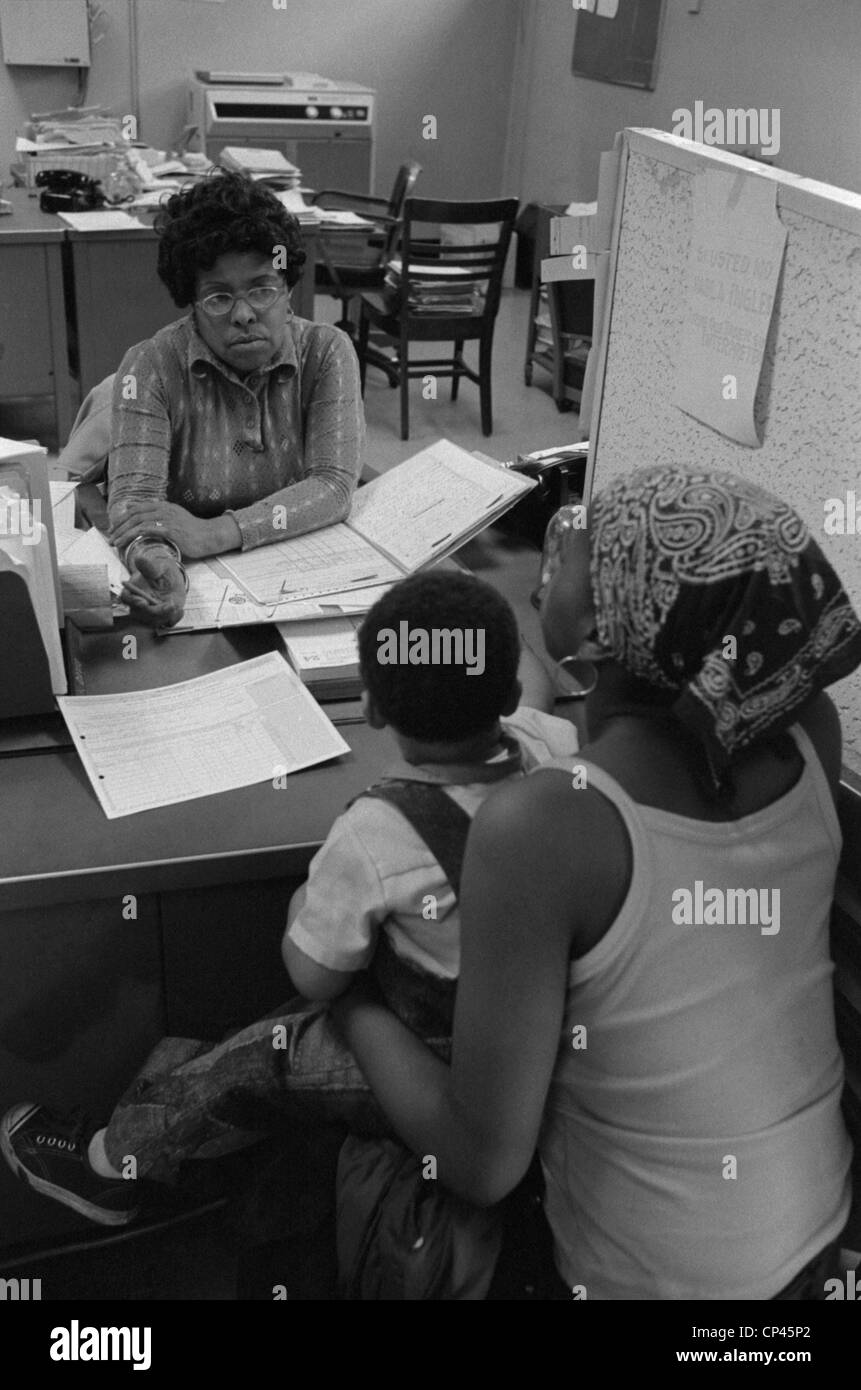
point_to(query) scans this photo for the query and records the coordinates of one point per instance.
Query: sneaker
(49, 1152)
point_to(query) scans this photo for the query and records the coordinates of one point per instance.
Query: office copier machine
(324, 127)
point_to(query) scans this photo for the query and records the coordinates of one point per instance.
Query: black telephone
(65, 190)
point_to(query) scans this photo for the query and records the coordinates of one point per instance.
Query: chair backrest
(404, 184)
(472, 261)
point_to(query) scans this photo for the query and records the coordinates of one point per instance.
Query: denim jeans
(197, 1100)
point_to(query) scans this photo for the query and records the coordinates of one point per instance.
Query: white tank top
(694, 1148)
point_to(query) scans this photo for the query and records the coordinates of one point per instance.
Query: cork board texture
(808, 403)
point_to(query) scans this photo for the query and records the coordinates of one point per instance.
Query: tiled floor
(524, 417)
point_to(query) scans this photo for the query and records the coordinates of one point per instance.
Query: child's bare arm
(313, 981)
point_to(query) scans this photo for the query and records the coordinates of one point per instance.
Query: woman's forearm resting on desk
(276, 457)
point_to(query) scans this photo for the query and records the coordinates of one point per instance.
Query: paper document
(215, 600)
(63, 509)
(414, 515)
(321, 562)
(102, 221)
(734, 259)
(153, 197)
(411, 516)
(253, 722)
(91, 548)
(87, 594)
(61, 489)
(293, 201)
(85, 586)
(25, 146)
(257, 161)
(442, 495)
(343, 217)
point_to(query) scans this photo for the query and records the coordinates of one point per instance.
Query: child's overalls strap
(421, 1000)
(436, 819)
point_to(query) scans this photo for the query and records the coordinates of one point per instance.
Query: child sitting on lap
(439, 660)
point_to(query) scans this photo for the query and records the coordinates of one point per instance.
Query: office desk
(34, 348)
(98, 290)
(114, 933)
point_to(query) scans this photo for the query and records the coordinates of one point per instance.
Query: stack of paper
(293, 201)
(441, 289)
(311, 215)
(325, 655)
(102, 220)
(82, 549)
(260, 164)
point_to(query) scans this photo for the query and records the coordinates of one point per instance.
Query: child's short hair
(439, 655)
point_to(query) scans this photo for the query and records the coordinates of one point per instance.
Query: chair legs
(345, 322)
(484, 360)
(404, 375)
(456, 362)
(362, 347)
(399, 372)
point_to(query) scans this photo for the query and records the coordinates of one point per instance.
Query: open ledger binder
(415, 515)
(31, 656)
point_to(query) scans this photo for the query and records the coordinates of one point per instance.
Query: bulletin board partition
(807, 407)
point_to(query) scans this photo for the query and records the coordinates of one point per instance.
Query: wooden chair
(351, 262)
(438, 292)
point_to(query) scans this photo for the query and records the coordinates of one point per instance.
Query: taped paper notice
(736, 250)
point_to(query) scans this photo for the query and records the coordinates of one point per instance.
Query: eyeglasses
(215, 306)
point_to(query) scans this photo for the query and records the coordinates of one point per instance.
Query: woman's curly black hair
(223, 213)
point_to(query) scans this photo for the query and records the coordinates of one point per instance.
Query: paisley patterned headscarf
(707, 585)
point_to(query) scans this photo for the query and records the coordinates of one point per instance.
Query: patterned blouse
(188, 429)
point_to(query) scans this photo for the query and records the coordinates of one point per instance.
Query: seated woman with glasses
(239, 425)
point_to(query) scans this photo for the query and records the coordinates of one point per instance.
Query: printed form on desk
(417, 513)
(251, 722)
(216, 600)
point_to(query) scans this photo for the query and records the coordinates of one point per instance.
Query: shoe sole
(13, 1121)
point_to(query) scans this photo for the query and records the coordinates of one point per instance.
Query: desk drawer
(25, 336)
(81, 1007)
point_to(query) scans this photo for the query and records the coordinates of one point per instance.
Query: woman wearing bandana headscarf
(645, 988)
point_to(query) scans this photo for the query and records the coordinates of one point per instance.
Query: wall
(792, 54)
(452, 59)
(24, 89)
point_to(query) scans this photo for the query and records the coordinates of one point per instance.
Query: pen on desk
(493, 501)
(440, 541)
(221, 605)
